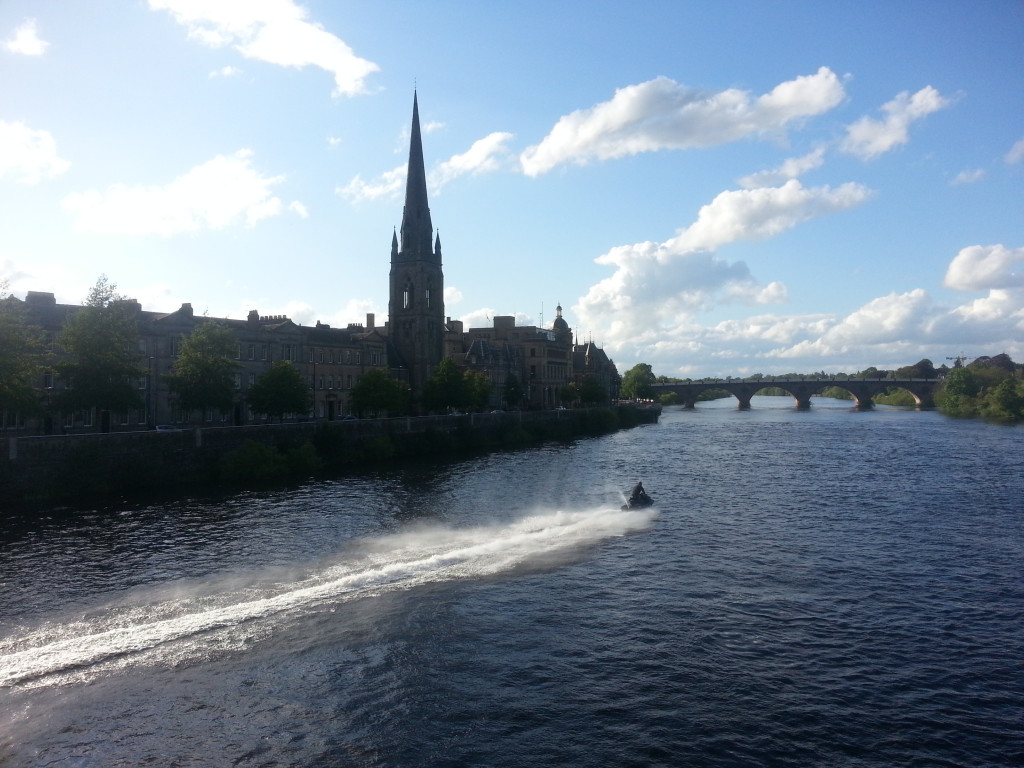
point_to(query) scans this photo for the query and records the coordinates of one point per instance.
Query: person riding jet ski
(638, 498)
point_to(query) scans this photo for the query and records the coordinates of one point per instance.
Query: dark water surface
(822, 588)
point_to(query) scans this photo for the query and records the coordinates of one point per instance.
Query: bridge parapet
(862, 390)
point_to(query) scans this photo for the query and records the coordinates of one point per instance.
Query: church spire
(416, 307)
(416, 226)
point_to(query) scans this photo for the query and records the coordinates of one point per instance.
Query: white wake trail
(399, 561)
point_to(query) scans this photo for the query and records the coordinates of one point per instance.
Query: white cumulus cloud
(888, 331)
(28, 155)
(996, 320)
(275, 31)
(662, 114)
(26, 40)
(657, 288)
(868, 137)
(885, 320)
(757, 214)
(986, 267)
(222, 192)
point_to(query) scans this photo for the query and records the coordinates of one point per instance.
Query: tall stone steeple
(417, 231)
(416, 304)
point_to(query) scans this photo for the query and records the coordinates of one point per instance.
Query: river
(813, 588)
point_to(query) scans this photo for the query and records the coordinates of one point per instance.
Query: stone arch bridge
(863, 390)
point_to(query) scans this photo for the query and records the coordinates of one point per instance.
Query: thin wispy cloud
(870, 137)
(972, 176)
(1016, 153)
(388, 185)
(223, 192)
(792, 168)
(486, 155)
(227, 71)
(274, 31)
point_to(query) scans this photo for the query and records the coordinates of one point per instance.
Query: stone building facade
(409, 346)
(543, 360)
(330, 359)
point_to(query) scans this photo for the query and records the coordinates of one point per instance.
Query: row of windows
(50, 380)
(330, 382)
(321, 382)
(260, 351)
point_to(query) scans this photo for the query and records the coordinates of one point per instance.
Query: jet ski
(643, 501)
(638, 499)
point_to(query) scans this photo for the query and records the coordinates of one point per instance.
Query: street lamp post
(314, 384)
(150, 400)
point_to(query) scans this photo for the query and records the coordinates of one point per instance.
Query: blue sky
(714, 188)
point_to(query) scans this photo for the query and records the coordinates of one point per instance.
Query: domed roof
(559, 324)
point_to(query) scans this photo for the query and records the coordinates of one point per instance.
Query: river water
(814, 588)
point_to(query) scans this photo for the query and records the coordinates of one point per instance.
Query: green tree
(591, 392)
(871, 373)
(21, 356)
(959, 393)
(375, 392)
(988, 374)
(923, 369)
(477, 385)
(569, 394)
(637, 381)
(99, 364)
(513, 391)
(279, 391)
(1005, 402)
(446, 388)
(203, 376)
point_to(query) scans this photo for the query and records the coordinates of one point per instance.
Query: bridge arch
(801, 390)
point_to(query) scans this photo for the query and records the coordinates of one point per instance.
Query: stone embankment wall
(71, 468)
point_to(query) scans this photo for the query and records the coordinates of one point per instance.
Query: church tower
(416, 304)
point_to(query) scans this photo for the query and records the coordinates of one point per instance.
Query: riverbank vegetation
(991, 387)
(332, 448)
